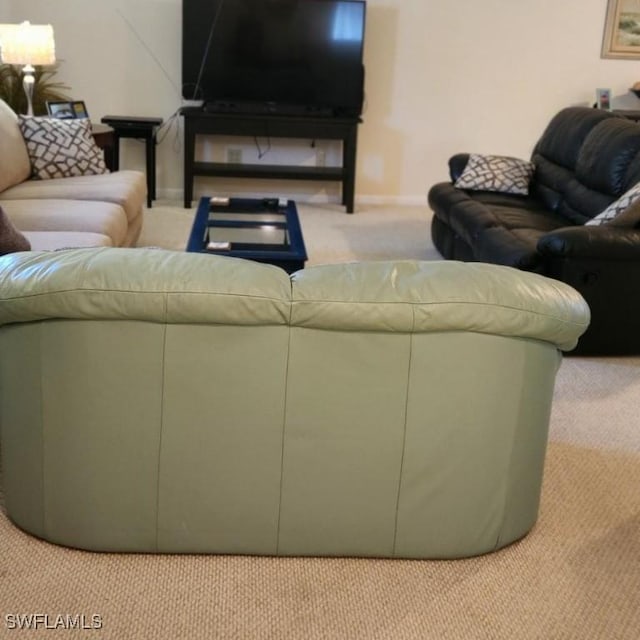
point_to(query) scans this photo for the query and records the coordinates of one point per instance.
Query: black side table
(142, 129)
(104, 137)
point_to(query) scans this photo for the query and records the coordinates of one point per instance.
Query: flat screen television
(283, 56)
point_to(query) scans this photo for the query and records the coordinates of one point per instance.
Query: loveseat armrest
(603, 242)
(457, 163)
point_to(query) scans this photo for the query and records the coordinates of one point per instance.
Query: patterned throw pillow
(496, 173)
(617, 207)
(61, 148)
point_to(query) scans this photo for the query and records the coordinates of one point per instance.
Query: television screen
(288, 54)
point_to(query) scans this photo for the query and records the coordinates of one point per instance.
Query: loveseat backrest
(585, 159)
(15, 166)
(171, 287)
(607, 165)
(566, 132)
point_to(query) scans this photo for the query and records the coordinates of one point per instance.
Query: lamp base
(28, 83)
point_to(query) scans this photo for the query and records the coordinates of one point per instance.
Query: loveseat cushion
(128, 189)
(14, 160)
(512, 238)
(509, 247)
(470, 215)
(51, 215)
(64, 240)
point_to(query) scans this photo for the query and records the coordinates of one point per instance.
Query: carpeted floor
(374, 233)
(576, 576)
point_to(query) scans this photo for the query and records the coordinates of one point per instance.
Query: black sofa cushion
(585, 159)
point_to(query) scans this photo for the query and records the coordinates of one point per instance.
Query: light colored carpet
(374, 233)
(576, 576)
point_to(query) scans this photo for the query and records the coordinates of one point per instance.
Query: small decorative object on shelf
(603, 99)
(636, 89)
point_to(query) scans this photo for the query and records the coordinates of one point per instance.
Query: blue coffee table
(264, 230)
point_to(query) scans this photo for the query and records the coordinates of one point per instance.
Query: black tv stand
(200, 121)
(269, 108)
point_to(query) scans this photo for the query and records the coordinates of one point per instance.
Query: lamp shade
(27, 44)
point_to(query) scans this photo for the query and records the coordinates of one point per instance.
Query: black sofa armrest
(605, 242)
(457, 163)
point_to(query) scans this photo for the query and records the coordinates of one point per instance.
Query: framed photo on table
(67, 109)
(622, 30)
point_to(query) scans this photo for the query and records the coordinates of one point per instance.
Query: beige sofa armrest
(14, 159)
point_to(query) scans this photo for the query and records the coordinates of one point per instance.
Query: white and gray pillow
(496, 173)
(617, 207)
(61, 148)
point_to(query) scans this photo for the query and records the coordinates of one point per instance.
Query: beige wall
(442, 76)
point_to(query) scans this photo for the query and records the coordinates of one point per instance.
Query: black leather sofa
(585, 160)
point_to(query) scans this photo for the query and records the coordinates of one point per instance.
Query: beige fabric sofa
(159, 401)
(82, 211)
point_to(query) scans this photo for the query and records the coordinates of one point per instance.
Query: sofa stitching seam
(161, 433)
(404, 434)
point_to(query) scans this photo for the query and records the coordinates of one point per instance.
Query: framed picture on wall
(622, 30)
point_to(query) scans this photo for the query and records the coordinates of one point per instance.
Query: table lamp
(27, 44)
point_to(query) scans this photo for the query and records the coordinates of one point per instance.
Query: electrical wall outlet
(234, 155)
(321, 157)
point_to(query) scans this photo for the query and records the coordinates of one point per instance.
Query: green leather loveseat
(156, 401)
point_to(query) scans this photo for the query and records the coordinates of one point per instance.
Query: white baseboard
(406, 200)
